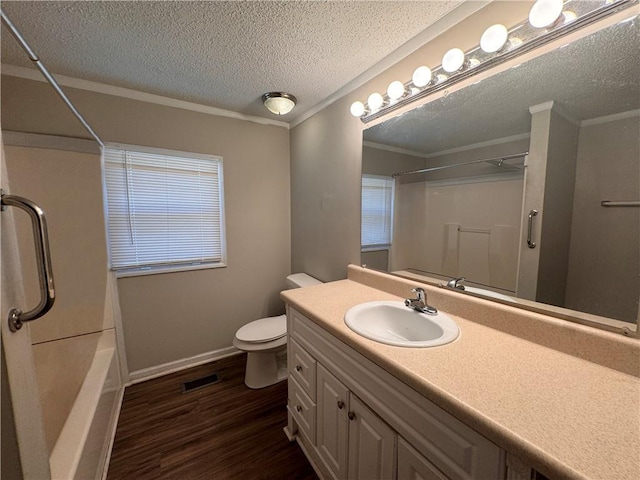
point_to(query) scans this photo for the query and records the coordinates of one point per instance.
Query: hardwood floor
(221, 431)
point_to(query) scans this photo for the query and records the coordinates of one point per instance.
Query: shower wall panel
(464, 229)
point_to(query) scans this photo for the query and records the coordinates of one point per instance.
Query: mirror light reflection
(560, 134)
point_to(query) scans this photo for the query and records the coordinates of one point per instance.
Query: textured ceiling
(595, 76)
(220, 54)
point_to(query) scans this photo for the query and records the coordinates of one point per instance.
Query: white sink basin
(393, 323)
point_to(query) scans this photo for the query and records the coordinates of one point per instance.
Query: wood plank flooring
(221, 431)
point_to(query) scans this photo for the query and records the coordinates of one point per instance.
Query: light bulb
(375, 101)
(494, 38)
(453, 60)
(421, 76)
(357, 109)
(395, 90)
(545, 13)
(515, 42)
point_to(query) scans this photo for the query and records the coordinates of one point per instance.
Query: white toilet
(265, 341)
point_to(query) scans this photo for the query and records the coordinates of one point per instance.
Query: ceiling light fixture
(497, 45)
(279, 103)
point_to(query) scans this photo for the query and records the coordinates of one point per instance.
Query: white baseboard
(175, 366)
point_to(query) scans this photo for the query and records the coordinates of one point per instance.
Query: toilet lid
(263, 330)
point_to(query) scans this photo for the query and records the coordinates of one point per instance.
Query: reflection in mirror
(556, 135)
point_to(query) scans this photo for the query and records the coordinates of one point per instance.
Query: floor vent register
(200, 382)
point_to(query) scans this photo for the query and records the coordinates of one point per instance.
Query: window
(165, 210)
(377, 211)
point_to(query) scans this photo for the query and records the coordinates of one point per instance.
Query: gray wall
(555, 225)
(169, 317)
(325, 193)
(376, 161)
(608, 283)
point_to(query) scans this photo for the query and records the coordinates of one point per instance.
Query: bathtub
(84, 445)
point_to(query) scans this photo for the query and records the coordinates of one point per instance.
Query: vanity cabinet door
(372, 444)
(332, 422)
(413, 466)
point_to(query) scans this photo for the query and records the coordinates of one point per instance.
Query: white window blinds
(164, 208)
(377, 211)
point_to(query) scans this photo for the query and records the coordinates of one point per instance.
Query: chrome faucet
(420, 304)
(456, 283)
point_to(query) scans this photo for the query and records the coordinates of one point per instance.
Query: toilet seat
(263, 330)
(273, 345)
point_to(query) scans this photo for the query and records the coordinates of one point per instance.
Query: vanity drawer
(302, 367)
(303, 410)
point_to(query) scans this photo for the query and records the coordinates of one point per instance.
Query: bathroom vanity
(501, 401)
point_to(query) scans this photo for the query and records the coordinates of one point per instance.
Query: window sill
(374, 248)
(167, 269)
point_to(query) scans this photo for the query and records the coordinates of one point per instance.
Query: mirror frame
(590, 23)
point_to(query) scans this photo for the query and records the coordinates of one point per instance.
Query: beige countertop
(566, 416)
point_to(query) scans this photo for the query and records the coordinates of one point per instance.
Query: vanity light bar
(497, 45)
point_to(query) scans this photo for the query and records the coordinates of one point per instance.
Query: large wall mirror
(503, 181)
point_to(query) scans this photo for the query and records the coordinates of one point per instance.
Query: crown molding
(80, 84)
(464, 148)
(610, 118)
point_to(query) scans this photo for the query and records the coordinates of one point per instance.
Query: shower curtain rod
(34, 58)
(498, 160)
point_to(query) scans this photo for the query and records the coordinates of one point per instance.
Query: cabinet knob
(298, 408)
(298, 368)
(351, 415)
(340, 404)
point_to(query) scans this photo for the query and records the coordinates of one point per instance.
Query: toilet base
(265, 368)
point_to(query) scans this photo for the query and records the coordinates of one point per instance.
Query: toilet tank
(299, 280)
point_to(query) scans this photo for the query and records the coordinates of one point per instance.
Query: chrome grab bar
(609, 203)
(530, 242)
(43, 256)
